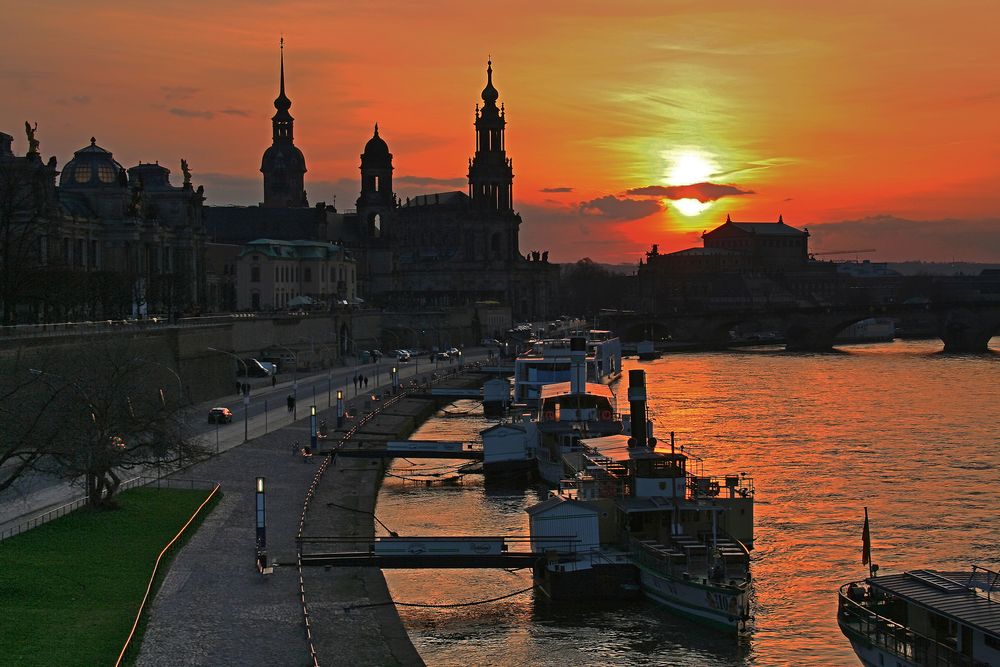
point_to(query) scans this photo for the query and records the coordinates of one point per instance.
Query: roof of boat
(563, 389)
(663, 504)
(615, 447)
(947, 594)
(553, 501)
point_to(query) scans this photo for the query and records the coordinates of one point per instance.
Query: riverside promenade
(214, 608)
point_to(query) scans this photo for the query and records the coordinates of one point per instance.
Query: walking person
(291, 403)
(356, 384)
(274, 380)
(364, 378)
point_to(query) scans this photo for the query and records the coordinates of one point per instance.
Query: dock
(417, 449)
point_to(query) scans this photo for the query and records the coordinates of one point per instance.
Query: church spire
(491, 173)
(282, 103)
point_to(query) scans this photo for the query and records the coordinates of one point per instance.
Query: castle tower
(491, 174)
(283, 164)
(376, 199)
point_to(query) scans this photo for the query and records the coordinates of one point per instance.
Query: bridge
(423, 552)
(964, 326)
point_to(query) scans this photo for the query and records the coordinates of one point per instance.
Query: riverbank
(214, 608)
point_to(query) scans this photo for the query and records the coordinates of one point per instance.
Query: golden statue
(186, 171)
(32, 142)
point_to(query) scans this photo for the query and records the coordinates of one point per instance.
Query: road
(267, 410)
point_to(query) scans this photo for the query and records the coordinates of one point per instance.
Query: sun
(686, 168)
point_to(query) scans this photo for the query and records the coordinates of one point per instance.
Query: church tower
(377, 199)
(490, 172)
(283, 164)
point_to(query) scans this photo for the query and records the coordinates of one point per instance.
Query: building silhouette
(283, 165)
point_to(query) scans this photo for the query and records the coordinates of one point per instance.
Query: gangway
(427, 552)
(419, 449)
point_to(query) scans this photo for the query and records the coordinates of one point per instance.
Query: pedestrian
(291, 402)
(274, 380)
(356, 384)
(365, 379)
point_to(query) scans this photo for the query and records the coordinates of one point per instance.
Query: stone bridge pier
(968, 329)
(814, 332)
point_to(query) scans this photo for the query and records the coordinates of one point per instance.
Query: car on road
(453, 351)
(220, 416)
(403, 355)
(441, 356)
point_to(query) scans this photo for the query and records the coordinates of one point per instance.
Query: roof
(438, 198)
(761, 228)
(698, 252)
(242, 224)
(945, 593)
(615, 447)
(556, 501)
(563, 389)
(663, 503)
(298, 249)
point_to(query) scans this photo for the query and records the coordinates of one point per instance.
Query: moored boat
(923, 617)
(634, 517)
(646, 350)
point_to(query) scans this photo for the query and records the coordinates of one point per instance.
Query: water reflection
(898, 427)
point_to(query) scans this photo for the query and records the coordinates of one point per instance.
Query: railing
(888, 635)
(64, 509)
(128, 647)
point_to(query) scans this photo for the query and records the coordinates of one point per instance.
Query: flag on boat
(866, 542)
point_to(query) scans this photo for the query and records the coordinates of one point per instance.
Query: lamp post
(340, 408)
(246, 397)
(313, 441)
(261, 526)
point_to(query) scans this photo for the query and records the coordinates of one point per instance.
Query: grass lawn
(70, 589)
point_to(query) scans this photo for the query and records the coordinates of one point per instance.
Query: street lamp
(261, 526)
(340, 408)
(246, 397)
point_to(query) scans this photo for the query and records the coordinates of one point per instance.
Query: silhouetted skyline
(873, 116)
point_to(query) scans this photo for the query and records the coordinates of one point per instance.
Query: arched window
(377, 225)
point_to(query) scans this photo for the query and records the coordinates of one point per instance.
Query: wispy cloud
(560, 189)
(703, 192)
(175, 93)
(611, 207)
(236, 112)
(191, 113)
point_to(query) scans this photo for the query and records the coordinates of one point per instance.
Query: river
(898, 427)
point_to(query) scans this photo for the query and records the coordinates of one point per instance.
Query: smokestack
(637, 406)
(578, 365)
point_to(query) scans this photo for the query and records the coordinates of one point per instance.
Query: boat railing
(858, 619)
(990, 582)
(724, 486)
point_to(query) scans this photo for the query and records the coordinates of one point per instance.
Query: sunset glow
(853, 128)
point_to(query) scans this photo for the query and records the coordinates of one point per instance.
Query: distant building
(273, 274)
(104, 243)
(283, 165)
(741, 264)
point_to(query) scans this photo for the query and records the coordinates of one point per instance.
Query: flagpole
(866, 547)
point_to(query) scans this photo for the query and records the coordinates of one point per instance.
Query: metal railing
(892, 637)
(73, 505)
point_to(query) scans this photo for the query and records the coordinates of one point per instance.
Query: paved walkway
(215, 609)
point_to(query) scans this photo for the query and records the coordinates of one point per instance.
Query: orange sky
(874, 124)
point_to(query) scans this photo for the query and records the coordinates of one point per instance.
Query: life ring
(605, 415)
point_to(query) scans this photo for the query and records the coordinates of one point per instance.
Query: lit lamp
(395, 379)
(261, 529)
(340, 408)
(312, 428)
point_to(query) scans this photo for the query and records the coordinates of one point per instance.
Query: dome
(376, 146)
(150, 176)
(283, 156)
(490, 94)
(92, 166)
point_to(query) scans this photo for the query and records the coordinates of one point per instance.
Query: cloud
(179, 92)
(703, 192)
(426, 181)
(191, 113)
(75, 99)
(561, 189)
(236, 112)
(899, 239)
(611, 207)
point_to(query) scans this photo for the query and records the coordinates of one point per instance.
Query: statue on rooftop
(32, 142)
(186, 171)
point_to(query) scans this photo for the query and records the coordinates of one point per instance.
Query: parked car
(220, 416)
(453, 351)
(441, 356)
(402, 355)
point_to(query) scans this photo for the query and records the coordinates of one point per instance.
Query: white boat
(548, 362)
(567, 412)
(871, 330)
(924, 617)
(634, 518)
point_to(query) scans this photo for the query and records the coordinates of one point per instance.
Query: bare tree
(104, 413)
(25, 202)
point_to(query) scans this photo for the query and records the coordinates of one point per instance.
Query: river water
(898, 427)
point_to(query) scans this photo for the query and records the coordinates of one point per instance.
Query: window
(307, 273)
(93, 253)
(82, 173)
(106, 173)
(255, 274)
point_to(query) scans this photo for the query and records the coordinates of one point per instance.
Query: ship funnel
(637, 406)
(578, 365)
